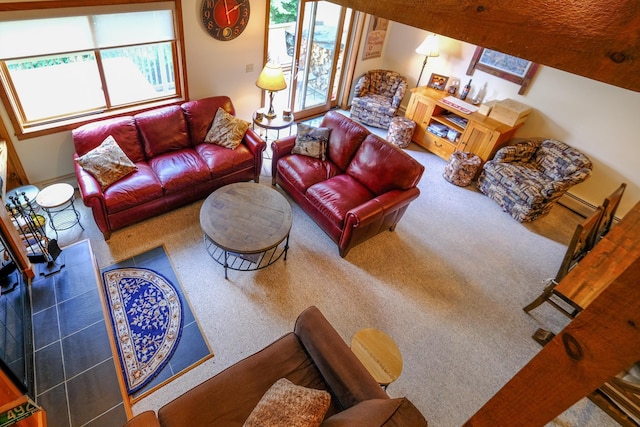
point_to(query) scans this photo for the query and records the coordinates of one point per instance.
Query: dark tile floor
(76, 377)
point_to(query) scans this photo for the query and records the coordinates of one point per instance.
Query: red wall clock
(225, 19)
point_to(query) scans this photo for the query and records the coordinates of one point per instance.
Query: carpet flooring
(448, 285)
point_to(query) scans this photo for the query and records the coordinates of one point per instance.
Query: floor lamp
(272, 79)
(428, 48)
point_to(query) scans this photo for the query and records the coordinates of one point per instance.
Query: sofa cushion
(135, 189)
(107, 162)
(162, 130)
(311, 141)
(382, 167)
(123, 129)
(181, 169)
(222, 161)
(288, 405)
(226, 130)
(303, 171)
(200, 114)
(336, 196)
(346, 136)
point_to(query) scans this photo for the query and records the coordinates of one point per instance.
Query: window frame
(9, 96)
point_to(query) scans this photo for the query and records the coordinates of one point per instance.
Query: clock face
(225, 19)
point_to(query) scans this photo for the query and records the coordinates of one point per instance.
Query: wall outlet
(249, 68)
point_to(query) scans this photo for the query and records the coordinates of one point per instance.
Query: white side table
(57, 201)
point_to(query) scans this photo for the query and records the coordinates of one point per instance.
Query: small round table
(245, 225)
(276, 123)
(379, 354)
(57, 201)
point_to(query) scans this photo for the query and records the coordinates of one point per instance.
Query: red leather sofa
(313, 356)
(362, 188)
(174, 165)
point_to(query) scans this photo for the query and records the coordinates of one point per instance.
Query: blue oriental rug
(150, 318)
(146, 316)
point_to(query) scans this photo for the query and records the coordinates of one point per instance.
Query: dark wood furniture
(602, 340)
(244, 226)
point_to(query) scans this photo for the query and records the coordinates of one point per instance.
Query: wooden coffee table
(246, 226)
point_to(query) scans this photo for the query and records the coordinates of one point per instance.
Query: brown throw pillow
(226, 130)
(288, 405)
(107, 162)
(311, 141)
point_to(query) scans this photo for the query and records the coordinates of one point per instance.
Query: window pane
(133, 28)
(139, 73)
(54, 86)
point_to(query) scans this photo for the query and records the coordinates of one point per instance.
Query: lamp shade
(430, 46)
(271, 78)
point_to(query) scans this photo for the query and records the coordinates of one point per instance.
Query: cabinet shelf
(476, 133)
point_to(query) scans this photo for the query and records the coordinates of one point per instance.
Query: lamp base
(271, 113)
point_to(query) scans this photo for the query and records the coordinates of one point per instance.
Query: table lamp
(429, 47)
(272, 79)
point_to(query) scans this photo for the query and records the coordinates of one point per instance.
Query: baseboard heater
(579, 206)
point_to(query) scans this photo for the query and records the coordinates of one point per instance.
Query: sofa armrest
(280, 148)
(92, 197)
(347, 378)
(144, 419)
(254, 142)
(377, 207)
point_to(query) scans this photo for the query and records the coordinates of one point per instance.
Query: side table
(379, 354)
(57, 201)
(277, 123)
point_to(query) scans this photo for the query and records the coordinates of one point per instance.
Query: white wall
(597, 118)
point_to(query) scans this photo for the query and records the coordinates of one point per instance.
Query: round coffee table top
(54, 195)
(277, 122)
(246, 217)
(379, 354)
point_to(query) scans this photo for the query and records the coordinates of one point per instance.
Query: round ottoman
(401, 131)
(462, 168)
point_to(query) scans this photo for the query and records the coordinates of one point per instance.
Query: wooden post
(599, 343)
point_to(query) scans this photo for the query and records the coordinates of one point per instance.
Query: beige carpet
(448, 285)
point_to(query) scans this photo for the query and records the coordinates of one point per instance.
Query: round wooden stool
(379, 354)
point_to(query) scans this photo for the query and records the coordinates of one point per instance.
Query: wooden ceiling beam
(596, 39)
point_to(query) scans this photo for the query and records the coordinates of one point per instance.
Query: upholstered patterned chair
(377, 96)
(526, 179)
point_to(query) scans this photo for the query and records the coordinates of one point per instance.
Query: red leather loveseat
(362, 188)
(174, 165)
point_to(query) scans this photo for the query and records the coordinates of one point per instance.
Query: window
(57, 70)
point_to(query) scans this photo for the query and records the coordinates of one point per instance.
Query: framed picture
(375, 37)
(438, 81)
(511, 68)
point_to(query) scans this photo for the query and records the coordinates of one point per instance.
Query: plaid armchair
(526, 179)
(377, 96)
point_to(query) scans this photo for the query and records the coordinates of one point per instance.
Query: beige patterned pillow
(311, 141)
(107, 162)
(288, 405)
(226, 130)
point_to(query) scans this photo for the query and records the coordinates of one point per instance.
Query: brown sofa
(362, 188)
(174, 165)
(313, 356)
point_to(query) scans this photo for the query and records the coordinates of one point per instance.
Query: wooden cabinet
(466, 132)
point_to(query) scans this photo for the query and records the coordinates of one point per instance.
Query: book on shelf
(460, 121)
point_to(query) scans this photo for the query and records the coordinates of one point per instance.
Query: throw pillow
(107, 162)
(288, 405)
(312, 141)
(226, 130)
